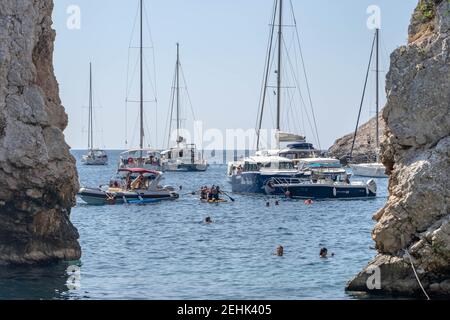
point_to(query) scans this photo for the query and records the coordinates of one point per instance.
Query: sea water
(165, 251)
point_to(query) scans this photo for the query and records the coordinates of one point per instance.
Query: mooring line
(415, 273)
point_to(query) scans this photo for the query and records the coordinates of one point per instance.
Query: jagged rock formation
(416, 153)
(38, 178)
(365, 143)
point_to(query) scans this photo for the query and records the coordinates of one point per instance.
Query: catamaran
(372, 169)
(146, 158)
(94, 157)
(183, 156)
(251, 174)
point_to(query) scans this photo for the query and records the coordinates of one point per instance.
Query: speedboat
(95, 157)
(130, 186)
(149, 159)
(321, 183)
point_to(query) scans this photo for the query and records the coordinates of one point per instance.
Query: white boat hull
(373, 170)
(184, 167)
(94, 162)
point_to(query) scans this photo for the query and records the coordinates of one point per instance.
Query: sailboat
(372, 169)
(141, 157)
(183, 156)
(251, 174)
(94, 157)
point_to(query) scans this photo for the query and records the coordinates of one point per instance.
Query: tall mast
(266, 76)
(178, 91)
(377, 88)
(141, 60)
(280, 39)
(91, 121)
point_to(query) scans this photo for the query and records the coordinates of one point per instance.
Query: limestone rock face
(365, 143)
(38, 178)
(416, 153)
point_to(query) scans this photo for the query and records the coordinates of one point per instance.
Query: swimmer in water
(208, 220)
(323, 253)
(280, 251)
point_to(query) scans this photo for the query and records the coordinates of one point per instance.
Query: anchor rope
(415, 273)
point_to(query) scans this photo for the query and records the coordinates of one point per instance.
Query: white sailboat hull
(374, 170)
(94, 162)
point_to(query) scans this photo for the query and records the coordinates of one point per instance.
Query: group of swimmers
(323, 252)
(210, 194)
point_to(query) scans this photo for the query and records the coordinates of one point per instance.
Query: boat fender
(372, 186)
(334, 192)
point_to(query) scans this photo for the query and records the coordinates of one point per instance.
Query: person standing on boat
(138, 183)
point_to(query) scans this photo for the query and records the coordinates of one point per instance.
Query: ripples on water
(164, 251)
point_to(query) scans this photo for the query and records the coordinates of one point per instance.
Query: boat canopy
(320, 162)
(139, 170)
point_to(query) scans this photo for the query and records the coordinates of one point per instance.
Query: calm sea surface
(164, 251)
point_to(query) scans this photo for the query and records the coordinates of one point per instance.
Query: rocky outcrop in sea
(365, 143)
(38, 178)
(413, 228)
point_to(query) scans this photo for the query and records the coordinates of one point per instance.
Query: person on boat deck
(138, 183)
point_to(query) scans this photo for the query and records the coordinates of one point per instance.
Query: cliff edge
(414, 225)
(38, 178)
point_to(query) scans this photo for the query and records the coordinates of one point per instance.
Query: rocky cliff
(38, 178)
(365, 143)
(416, 153)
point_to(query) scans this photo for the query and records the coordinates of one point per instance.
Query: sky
(223, 51)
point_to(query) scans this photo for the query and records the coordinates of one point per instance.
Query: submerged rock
(416, 153)
(38, 178)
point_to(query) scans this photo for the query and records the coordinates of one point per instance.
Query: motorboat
(321, 186)
(130, 186)
(149, 159)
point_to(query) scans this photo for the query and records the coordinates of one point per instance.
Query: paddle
(224, 193)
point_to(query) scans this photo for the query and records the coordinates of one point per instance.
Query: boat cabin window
(279, 165)
(250, 167)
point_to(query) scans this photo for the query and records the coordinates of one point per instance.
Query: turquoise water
(164, 251)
